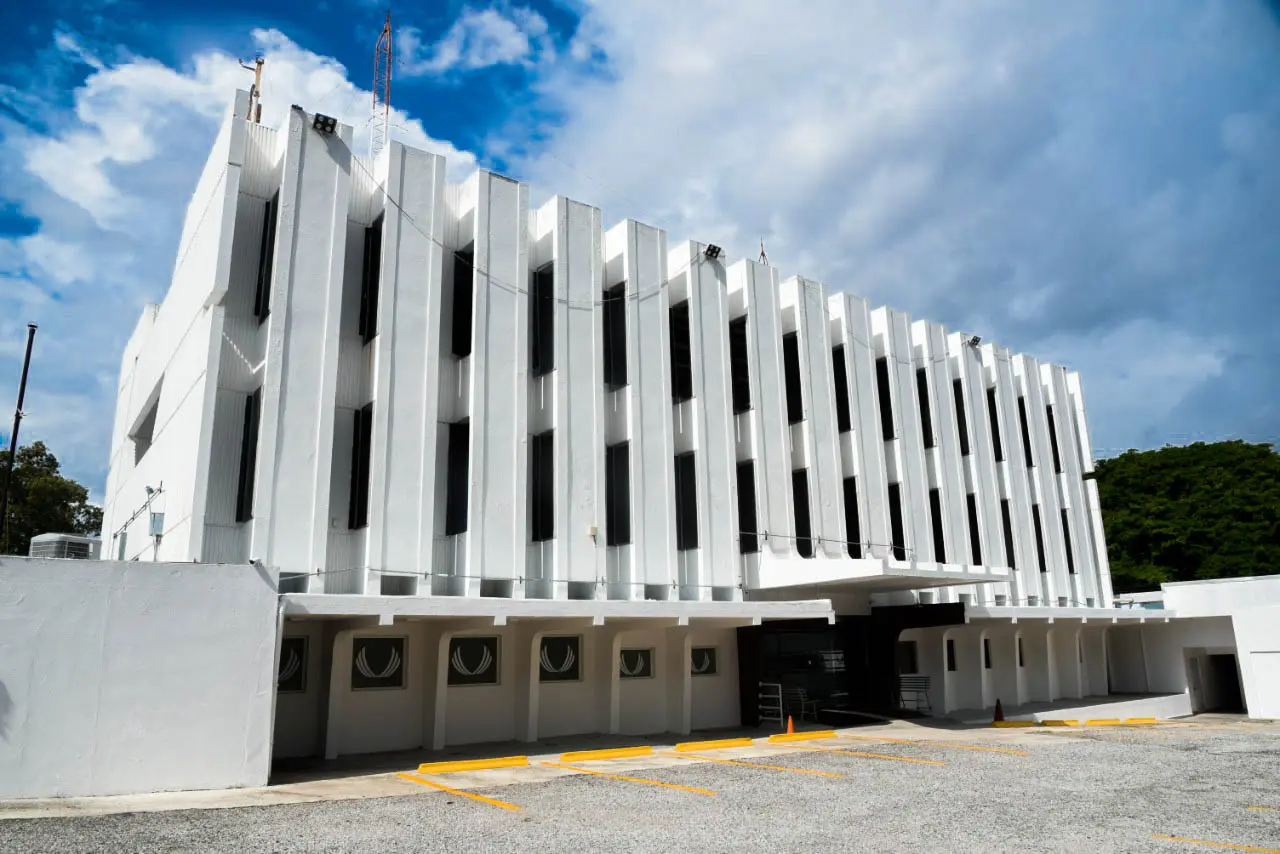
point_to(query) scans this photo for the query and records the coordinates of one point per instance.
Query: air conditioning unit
(1001, 600)
(1062, 601)
(66, 546)
(1033, 601)
(926, 597)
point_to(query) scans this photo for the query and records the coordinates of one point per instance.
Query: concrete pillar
(679, 680)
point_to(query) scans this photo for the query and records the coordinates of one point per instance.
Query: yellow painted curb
(1103, 722)
(1011, 724)
(1069, 722)
(1141, 720)
(721, 744)
(610, 753)
(473, 764)
(784, 737)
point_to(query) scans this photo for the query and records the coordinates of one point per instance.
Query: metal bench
(796, 701)
(917, 689)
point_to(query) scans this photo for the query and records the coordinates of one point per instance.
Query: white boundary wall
(119, 678)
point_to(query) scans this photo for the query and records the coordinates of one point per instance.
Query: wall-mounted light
(975, 340)
(712, 252)
(324, 124)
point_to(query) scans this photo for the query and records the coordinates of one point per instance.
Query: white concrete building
(526, 458)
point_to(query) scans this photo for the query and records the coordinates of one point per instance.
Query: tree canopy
(42, 501)
(1189, 513)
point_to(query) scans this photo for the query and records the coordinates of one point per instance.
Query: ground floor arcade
(372, 674)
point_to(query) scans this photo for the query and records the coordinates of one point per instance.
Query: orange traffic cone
(999, 711)
(790, 726)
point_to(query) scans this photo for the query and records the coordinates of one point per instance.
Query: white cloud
(109, 184)
(1022, 171)
(478, 39)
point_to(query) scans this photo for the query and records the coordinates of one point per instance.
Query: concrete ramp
(1089, 708)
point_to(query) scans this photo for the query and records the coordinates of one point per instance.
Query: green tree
(1188, 513)
(42, 501)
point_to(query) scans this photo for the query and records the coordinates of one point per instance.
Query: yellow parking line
(814, 735)
(1231, 845)
(755, 765)
(867, 755)
(460, 793)
(935, 744)
(630, 779)
(1265, 809)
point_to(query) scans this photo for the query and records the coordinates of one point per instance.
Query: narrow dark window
(1053, 441)
(1026, 433)
(951, 655)
(542, 489)
(1066, 539)
(266, 259)
(617, 494)
(739, 366)
(361, 451)
(464, 284)
(748, 536)
(800, 496)
(986, 653)
(935, 518)
(1006, 521)
(791, 366)
(248, 456)
(975, 539)
(456, 477)
(957, 392)
(922, 396)
(885, 397)
(542, 321)
(370, 272)
(614, 315)
(852, 527)
(1021, 661)
(1035, 521)
(844, 416)
(686, 503)
(908, 657)
(681, 354)
(994, 412)
(899, 543)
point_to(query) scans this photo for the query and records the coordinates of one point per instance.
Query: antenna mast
(380, 120)
(764, 258)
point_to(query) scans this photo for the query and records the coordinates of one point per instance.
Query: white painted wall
(715, 698)
(371, 721)
(643, 702)
(299, 716)
(119, 678)
(480, 713)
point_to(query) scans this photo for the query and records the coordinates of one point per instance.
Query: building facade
(431, 401)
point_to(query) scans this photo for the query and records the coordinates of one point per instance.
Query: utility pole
(255, 94)
(13, 437)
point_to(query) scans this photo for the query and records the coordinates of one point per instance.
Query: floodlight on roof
(712, 252)
(975, 340)
(324, 124)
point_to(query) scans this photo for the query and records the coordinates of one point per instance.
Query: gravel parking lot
(1096, 789)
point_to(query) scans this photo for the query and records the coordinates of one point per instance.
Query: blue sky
(1096, 183)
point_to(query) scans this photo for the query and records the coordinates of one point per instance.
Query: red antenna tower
(381, 115)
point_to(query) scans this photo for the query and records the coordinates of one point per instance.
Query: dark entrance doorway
(1227, 695)
(851, 665)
